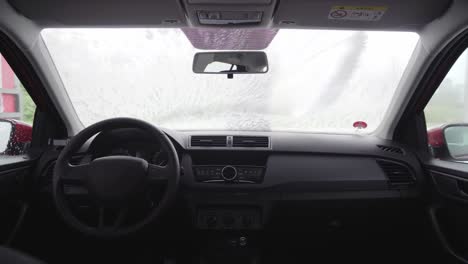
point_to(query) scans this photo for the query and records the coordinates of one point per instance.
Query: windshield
(317, 80)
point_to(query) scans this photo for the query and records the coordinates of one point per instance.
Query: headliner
(401, 15)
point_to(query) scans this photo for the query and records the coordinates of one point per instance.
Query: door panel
(448, 210)
(13, 196)
(12, 181)
(450, 178)
(451, 186)
(446, 164)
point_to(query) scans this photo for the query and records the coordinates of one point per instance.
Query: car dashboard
(257, 172)
(241, 180)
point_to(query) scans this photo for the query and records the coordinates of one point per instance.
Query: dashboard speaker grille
(208, 141)
(251, 141)
(399, 175)
(391, 149)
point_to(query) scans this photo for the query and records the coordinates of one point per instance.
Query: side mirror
(449, 142)
(15, 137)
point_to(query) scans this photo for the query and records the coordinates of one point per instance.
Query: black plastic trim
(432, 211)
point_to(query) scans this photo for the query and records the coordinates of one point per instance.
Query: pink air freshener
(360, 124)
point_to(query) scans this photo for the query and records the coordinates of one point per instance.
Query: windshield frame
(384, 124)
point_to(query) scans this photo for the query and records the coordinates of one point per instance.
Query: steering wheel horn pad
(115, 180)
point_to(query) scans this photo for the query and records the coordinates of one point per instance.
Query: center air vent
(208, 141)
(391, 149)
(398, 175)
(250, 141)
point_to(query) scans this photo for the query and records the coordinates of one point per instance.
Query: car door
(438, 122)
(16, 163)
(29, 122)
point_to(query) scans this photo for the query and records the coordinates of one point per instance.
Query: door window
(16, 114)
(447, 114)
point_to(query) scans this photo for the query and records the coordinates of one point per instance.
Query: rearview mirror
(230, 62)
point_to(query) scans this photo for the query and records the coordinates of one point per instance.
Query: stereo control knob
(229, 173)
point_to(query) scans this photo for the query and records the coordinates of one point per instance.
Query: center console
(227, 209)
(228, 167)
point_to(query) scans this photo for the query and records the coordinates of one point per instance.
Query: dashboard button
(228, 173)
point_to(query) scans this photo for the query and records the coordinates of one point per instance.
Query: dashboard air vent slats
(208, 141)
(399, 175)
(391, 149)
(251, 141)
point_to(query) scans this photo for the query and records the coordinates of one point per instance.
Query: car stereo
(229, 173)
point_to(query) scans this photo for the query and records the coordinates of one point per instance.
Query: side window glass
(16, 114)
(447, 115)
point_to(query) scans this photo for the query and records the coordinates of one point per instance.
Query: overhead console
(229, 12)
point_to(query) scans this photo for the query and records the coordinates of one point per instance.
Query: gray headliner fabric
(401, 14)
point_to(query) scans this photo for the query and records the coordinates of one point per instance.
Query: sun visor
(398, 15)
(98, 13)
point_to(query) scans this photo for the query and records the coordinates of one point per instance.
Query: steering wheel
(115, 182)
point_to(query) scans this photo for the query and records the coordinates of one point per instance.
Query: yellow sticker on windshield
(357, 13)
